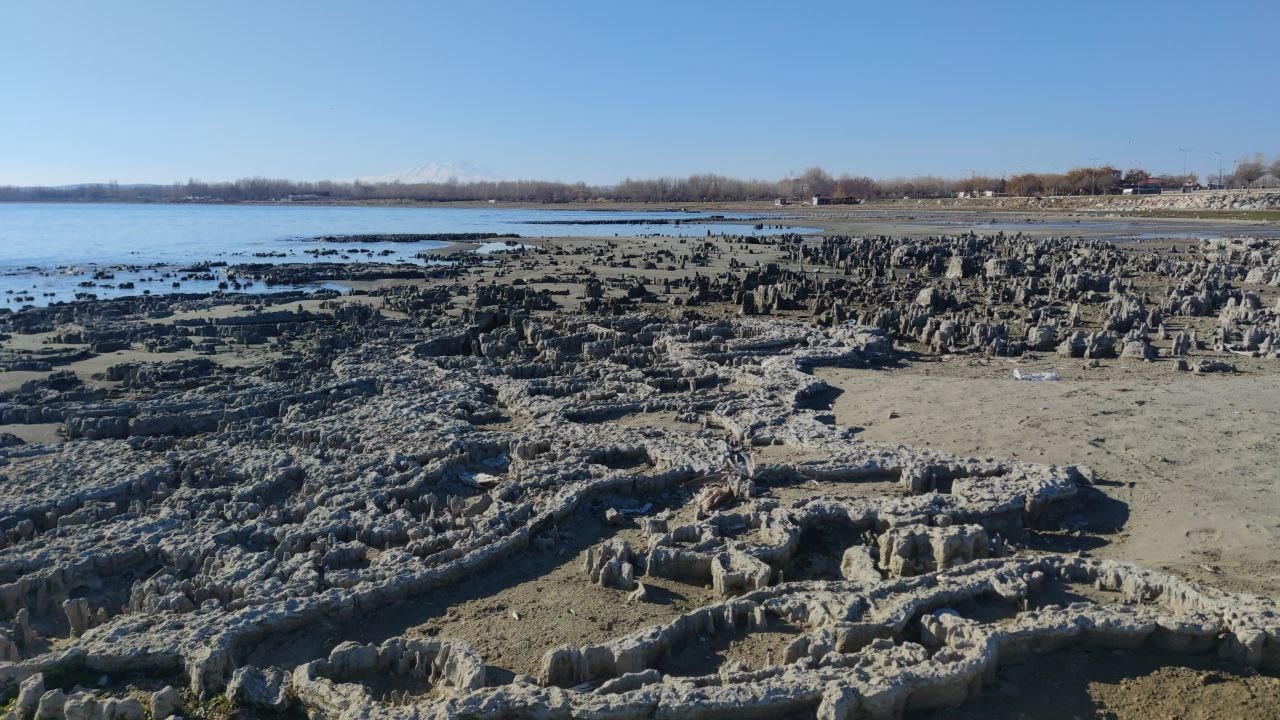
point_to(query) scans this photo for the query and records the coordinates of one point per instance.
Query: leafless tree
(1249, 170)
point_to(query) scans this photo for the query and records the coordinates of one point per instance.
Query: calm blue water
(51, 252)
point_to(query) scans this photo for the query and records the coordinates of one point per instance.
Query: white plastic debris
(1035, 377)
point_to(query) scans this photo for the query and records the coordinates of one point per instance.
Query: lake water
(51, 252)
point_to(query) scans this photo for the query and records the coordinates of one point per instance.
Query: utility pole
(1215, 152)
(1093, 174)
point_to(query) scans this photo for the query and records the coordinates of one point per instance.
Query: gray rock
(165, 702)
(253, 687)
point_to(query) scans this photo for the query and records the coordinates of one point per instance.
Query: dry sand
(1187, 463)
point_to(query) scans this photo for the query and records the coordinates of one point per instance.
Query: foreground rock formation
(372, 454)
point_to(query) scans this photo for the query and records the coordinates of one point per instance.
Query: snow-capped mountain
(459, 170)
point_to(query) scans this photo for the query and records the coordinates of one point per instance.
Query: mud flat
(712, 477)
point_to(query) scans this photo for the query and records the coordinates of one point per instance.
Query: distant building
(780, 201)
(824, 200)
(301, 197)
(1147, 188)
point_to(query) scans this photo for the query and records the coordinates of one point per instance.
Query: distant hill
(458, 170)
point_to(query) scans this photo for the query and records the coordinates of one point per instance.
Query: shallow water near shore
(56, 252)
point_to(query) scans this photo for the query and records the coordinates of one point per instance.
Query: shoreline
(1066, 205)
(356, 251)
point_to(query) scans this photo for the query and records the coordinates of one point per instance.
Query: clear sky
(599, 90)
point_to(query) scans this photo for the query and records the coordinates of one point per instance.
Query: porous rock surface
(194, 512)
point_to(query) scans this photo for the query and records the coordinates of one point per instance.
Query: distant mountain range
(459, 170)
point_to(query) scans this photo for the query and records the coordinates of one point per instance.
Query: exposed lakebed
(57, 252)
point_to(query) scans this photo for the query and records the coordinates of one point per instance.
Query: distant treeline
(695, 188)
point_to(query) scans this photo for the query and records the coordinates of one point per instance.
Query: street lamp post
(1215, 152)
(1184, 160)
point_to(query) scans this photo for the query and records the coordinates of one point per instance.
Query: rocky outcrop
(385, 450)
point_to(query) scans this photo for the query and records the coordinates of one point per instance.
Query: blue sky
(158, 91)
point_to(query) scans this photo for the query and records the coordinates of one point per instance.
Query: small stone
(127, 709)
(640, 594)
(254, 687)
(51, 704)
(29, 694)
(165, 702)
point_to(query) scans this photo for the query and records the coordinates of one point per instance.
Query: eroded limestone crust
(198, 512)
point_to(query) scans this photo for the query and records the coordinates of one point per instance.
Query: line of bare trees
(1248, 172)
(268, 189)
